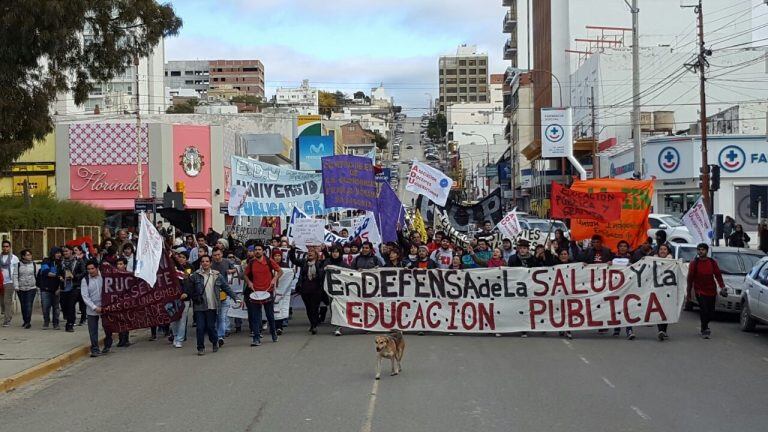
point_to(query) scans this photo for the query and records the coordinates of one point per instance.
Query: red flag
(80, 241)
(599, 206)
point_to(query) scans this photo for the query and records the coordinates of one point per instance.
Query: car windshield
(671, 221)
(541, 225)
(728, 263)
(751, 260)
(686, 253)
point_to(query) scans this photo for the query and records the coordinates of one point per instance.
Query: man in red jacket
(703, 274)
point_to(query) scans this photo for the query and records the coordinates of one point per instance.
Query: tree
(188, 107)
(437, 127)
(326, 102)
(247, 99)
(379, 140)
(341, 99)
(44, 54)
(359, 95)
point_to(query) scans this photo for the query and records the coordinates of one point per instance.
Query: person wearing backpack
(50, 289)
(25, 281)
(71, 272)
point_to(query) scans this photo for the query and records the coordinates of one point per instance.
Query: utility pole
(595, 158)
(701, 64)
(139, 172)
(636, 138)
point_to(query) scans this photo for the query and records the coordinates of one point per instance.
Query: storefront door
(676, 203)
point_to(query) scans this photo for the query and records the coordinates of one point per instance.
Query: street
(449, 383)
(411, 136)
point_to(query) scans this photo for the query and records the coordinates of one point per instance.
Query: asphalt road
(411, 137)
(449, 383)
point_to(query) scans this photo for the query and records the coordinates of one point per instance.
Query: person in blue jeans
(91, 287)
(207, 284)
(50, 289)
(24, 279)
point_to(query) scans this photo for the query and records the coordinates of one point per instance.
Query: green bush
(46, 212)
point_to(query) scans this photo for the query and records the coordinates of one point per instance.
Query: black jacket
(739, 239)
(530, 261)
(366, 262)
(304, 285)
(588, 257)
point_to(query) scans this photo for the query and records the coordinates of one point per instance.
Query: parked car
(734, 263)
(754, 297)
(528, 223)
(409, 147)
(432, 157)
(676, 231)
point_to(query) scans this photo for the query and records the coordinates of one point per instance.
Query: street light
(487, 145)
(430, 102)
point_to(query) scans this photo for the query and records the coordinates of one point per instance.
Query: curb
(47, 367)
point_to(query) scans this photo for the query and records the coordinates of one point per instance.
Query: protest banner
(502, 300)
(390, 213)
(244, 233)
(283, 289)
(509, 226)
(445, 225)
(274, 191)
(599, 206)
(308, 232)
(534, 237)
(632, 226)
(349, 182)
(148, 251)
(430, 182)
(487, 209)
(130, 303)
(697, 221)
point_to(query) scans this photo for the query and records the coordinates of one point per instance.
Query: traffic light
(701, 175)
(714, 177)
(181, 187)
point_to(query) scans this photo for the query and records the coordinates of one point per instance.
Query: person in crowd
(477, 256)
(645, 249)
(394, 259)
(91, 287)
(121, 240)
(203, 243)
(129, 253)
(222, 244)
(506, 249)
(50, 288)
(261, 274)
(560, 241)
(207, 283)
(437, 242)
(366, 260)
(666, 253)
(497, 259)
(228, 270)
(523, 257)
(443, 255)
(430, 234)
(412, 257)
(334, 258)
(661, 238)
(184, 271)
(81, 257)
(422, 259)
(728, 226)
(486, 232)
(71, 272)
(190, 246)
(596, 253)
(310, 284)
(25, 281)
(106, 233)
(563, 257)
(110, 257)
(122, 337)
(543, 256)
(456, 263)
(703, 277)
(8, 264)
(623, 257)
(211, 237)
(201, 252)
(762, 237)
(739, 238)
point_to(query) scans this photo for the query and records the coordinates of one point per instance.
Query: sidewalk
(26, 355)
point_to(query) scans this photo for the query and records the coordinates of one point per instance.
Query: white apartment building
(302, 100)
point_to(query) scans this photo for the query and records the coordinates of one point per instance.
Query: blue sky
(341, 44)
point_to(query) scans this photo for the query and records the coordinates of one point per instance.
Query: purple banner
(389, 214)
(349, 182)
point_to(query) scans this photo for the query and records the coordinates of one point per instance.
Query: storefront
(675, 163)
(36, 167)
(101, 167)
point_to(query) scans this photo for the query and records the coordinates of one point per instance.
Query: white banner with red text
(505, 300)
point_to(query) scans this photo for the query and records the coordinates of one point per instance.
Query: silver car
(734, 263)
(754, 297)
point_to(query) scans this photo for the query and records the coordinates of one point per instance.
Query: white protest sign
(534, 237)
(430, 182)
(283, 294)
(308, 232)
(505, 300)
(509, 226)
(698, 223)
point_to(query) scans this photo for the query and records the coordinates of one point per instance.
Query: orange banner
(633, 224)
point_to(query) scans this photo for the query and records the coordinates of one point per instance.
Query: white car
(754, 297)
(676, 231)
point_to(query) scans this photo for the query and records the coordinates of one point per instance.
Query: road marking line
(584, 359)
(765, 358)
(610, 384)
(568, 344)
(371, 407)
(642, 415)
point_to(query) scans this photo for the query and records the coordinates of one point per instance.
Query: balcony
(510, 48)
(510, 21)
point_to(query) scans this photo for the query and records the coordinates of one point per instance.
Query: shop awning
(110, 204)
(197, 203)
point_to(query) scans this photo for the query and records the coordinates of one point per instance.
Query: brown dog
(391, 346)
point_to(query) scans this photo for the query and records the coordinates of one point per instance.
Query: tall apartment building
(463, 77)
(188, 75)
(245, 76)
(303, 100)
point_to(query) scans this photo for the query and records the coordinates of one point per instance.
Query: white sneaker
(498, 334)
(177, 344)
(337, 332)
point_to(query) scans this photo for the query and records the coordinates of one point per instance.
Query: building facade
(245, 76)
(37, 166)
(188, 75)
(463, 77)
(357, 140)
(303, 100)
